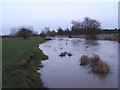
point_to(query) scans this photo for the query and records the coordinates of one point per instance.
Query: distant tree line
(88, 27)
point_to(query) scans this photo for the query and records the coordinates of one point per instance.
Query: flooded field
(66, 72)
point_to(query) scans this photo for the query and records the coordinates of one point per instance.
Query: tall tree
(91, 27)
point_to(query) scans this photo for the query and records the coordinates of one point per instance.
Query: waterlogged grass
(20, 61)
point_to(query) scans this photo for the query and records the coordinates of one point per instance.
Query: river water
(66, 72)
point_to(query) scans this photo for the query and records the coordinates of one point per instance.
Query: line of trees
(89, 27)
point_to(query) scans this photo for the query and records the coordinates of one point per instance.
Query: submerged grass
(20, 61)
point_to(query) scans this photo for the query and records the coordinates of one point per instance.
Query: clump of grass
(69, 54)
(97, 65)
(65, 53)
(84, 60)
(100, 68)
(94, 61)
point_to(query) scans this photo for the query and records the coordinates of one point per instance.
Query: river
(66, 72)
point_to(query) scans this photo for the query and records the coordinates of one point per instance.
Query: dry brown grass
(69, 54)
(84, 60)
(101, 68)
(97, 65)
(94, 61)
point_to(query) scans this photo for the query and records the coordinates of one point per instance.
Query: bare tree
(91, 26)
(76, 25)
(91, 23)
(46, 30)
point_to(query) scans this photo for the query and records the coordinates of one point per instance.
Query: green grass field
(112, 36)
(20, 60)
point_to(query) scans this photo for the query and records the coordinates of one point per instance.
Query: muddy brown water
(66, 72)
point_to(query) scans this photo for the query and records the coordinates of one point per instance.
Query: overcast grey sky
(56, 14)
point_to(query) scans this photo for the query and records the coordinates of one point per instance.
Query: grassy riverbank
(20, 61)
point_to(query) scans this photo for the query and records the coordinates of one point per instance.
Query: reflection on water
(101, 76)
(66, 72)
(96, 75)
(91, 42)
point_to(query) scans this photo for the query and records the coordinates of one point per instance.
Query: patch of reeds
(95, 62)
